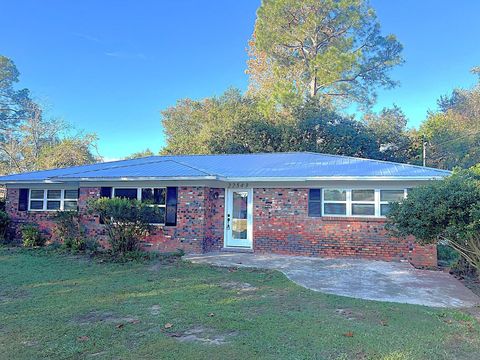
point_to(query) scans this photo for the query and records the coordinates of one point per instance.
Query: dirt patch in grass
(238, 286)
(350, 314)
(93, 317)
(155, 309)
(203, 335)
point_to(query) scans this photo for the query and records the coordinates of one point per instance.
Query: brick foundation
(280, 225)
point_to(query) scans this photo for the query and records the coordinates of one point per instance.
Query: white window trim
(139, 197)
(348, 202)
(62, 199)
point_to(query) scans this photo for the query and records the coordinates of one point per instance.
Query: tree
(14, 104)
(140, 154)
(394, 141)
(30, 142)
(191, 125)
(443, 211)
(453, 132)
(330, 49)
(234, 123)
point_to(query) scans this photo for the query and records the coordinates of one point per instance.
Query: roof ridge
(195, 168)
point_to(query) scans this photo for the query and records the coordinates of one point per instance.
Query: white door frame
(228, 210)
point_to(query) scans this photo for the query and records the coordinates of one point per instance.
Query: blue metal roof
(248, 167)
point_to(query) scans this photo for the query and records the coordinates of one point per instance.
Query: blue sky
(110, 66)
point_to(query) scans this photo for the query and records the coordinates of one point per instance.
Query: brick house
(287, 203)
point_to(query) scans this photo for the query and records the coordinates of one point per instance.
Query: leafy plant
(446, 211)
(69, 230)
(126, 221)
(447, 255)
(31, 236)
(4, 222)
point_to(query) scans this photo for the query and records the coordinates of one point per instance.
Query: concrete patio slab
(364, 279)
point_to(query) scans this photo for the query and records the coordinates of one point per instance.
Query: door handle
(228, 221)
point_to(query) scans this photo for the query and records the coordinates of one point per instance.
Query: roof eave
(332, 178)
(227, 179)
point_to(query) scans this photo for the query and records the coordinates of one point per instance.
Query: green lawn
(59, 306)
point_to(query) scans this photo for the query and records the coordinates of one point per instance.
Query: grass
(64, 307)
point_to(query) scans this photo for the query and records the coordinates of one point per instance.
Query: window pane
(53, 205)
(70, 205)
(126, 193)
(71, 194)
(335, 195)
(155, 215)
(335, 209)
(391, 195)
(314, 194)
(54, 194)
(315, 208)
(159, 195)
(385, 209)
(147, 195)
(36, 194)
(36, 205)
(363, 195)
(363, 209)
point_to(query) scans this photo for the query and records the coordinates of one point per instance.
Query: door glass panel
(239, 215)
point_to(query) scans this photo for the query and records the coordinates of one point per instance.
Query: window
(387, 196)
(335, 202)
(315, 202)
(357, 202)
(363, 202)
(53, 200)
(155, 198)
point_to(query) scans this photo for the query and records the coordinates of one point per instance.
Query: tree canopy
(29, 141)
(330, 49)
(453, 132)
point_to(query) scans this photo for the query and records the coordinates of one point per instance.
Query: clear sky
(110, 66)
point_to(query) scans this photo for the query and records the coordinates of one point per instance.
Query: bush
(70, 231)
(31, 236)
(445, 211)
(447, 255)
(4, 222)
(126, 221)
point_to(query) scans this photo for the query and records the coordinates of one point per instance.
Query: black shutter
(23, 200)
(315, 203)
(171, 216)
(106, 192)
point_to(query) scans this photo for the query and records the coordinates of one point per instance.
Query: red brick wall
(43, 219)
(281, 225)
(214, 215)
(193, 228)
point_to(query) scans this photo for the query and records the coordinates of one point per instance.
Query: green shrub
(70, 231)
(447, 255)
(445, 211)
(126, 221)
(31, 236)
(4, 222)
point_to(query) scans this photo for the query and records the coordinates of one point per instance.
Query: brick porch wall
(281, 225)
